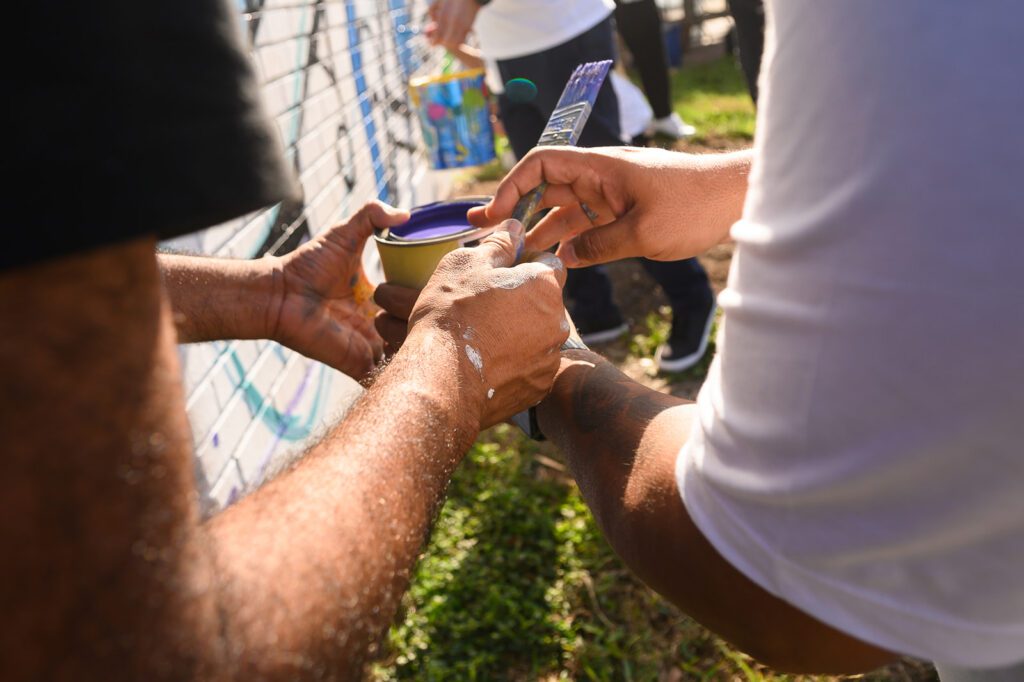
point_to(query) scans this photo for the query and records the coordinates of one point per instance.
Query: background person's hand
(653, 203)
(321, 313)
(504, 322)
(452, 21)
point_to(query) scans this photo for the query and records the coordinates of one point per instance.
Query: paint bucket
(455, 118)
(410, 252)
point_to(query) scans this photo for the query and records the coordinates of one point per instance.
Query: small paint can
(410, 252)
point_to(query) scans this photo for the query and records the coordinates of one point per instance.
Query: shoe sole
(604, 336)
(686, 362)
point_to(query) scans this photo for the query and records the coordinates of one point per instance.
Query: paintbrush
(565, 126)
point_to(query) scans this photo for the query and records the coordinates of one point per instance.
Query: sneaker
(688, 341)
(607, 327)
(671, 126)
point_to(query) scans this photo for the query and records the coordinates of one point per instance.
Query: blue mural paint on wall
(284, 425)
(362, 93)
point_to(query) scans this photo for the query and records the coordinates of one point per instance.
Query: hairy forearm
(217, 298)
(621, 441)
(328, 547)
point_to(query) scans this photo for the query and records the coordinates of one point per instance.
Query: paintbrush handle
(526, 208)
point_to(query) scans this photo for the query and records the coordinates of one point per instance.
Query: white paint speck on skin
(469, 334)
(550, 260)
(490, 393)
(565, 325)
(474, 358)
(513, 278)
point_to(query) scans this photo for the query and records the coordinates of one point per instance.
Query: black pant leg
(749, 18)
(590, 289)
(639, 24)
(684, 281)
(523, 124)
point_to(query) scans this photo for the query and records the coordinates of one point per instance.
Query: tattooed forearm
(603, 398)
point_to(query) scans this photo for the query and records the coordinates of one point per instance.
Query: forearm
(217, 298)
(721, 188)
(601, 420)
(621, 441)
(328, 547)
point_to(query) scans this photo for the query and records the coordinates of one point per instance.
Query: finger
(605, 244)
(355, 358)
(560, 224)
(397, 301)
(392, 329)
(373, 215)
(546, 264)
(561, 166)
(503, 247)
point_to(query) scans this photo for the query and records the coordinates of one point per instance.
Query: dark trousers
(550, 71)
(589, 288)
(639, 24)
(749, 18)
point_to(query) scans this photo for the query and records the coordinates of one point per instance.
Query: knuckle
(457, 259)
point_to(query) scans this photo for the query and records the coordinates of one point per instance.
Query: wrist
(214, 298)
(271, 275)
(442, 365)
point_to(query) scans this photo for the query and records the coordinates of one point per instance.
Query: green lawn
(713, 98)
(518, 583)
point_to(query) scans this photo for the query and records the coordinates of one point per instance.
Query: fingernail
(568, 254)
(516, 231)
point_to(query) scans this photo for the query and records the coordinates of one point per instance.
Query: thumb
(615, 241)
(504, 246)
(374, 215)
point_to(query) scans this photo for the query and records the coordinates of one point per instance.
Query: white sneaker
(671, 126)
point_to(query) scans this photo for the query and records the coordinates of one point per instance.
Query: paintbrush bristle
(585, 83)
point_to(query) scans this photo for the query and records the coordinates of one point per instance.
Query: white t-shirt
(515, 28)
(860, 445)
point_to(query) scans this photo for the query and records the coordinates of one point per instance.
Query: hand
(324, 310)
(504, 322)
(653, 203)
(453, 20)
(392, 322)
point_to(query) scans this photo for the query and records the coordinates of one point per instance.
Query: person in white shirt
(849, 484)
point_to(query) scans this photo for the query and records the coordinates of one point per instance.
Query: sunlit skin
(620, 438)
(109, 571)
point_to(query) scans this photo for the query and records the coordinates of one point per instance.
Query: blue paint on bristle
(585, 83)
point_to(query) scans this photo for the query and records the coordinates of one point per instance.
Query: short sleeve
(134, 118)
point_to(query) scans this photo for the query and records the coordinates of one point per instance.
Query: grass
(713, 98)
(518, 583)
(655, 331)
